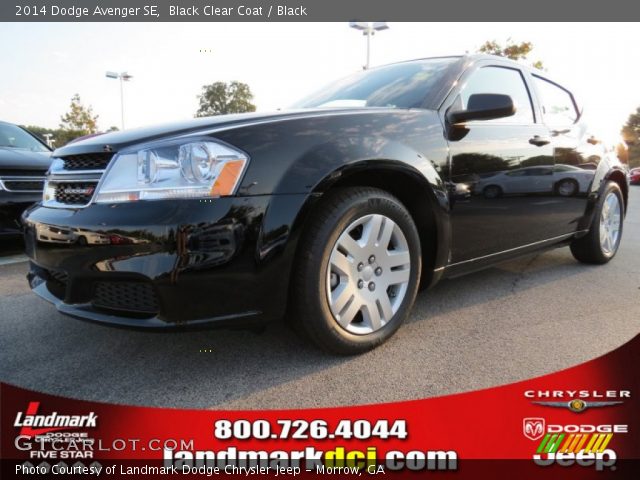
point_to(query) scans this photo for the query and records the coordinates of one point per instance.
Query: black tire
(588, 249)
(310, 314)
(492, 191)
(567, 181)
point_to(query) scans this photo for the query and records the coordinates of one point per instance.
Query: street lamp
(369, 29)
(123, 77)
(48, 137)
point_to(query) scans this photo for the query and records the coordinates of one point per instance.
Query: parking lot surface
(521, 319)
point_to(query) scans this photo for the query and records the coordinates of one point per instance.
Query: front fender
(295, 155)
(308, 155)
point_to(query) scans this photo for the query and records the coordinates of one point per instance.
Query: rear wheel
(601, 243)
(357, 274)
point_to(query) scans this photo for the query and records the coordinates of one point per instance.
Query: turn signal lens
(228, 178)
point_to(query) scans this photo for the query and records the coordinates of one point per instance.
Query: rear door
(492, 160)
(576, 154)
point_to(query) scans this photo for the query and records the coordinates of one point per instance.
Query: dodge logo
(79, 191)
(533, 428)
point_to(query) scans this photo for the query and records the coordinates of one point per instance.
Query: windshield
(402, 85)
(15, 137)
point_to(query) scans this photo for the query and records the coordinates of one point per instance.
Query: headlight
(178, 169)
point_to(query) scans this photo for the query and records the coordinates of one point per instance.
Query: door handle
(555, 133)
(539, 141)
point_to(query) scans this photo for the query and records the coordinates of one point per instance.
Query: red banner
(581, 422)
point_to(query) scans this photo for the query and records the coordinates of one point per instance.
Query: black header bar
(315, 10)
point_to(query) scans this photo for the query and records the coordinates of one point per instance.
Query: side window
(558, 108)
(505, 81)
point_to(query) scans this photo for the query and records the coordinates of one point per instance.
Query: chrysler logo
(577, 405)
(533, 428)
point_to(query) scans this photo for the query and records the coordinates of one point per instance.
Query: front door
(500, 171)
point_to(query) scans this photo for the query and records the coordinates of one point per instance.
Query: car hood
(18, 159)
(115, 141)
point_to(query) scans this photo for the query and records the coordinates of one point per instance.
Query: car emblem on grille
(79, 191)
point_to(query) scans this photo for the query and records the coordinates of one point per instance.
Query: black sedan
(24, 160)
(331, 214)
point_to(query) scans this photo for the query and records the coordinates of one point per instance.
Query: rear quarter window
(557, 103)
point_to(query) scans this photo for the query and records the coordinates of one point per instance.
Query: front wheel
(492, 191)
(357, 272)
(601, 243)
(567, 187)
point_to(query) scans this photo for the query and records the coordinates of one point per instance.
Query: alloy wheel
(368, 274)
(610, 219)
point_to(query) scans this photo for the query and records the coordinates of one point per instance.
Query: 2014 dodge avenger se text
(332, 214)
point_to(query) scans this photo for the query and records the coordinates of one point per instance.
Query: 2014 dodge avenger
(331, 214)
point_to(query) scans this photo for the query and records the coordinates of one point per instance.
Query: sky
(44, 65)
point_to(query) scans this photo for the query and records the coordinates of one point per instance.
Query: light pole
(368, 29)
(123, 77)
(48, 137)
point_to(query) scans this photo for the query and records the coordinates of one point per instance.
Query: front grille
(24, 185)
(73, 179)
(22, 173)
(87, 161)
(74, 193)
(135, 297)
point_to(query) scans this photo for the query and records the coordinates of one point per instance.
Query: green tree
(220, 98)
(512, 50)
(59, 136)
(77, 122)
(64, 136)
(631, 135)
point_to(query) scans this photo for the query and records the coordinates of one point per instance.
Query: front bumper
(163, 264)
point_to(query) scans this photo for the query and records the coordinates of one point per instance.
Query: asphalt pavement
(516, 321)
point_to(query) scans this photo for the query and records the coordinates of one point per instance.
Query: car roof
(469, 58)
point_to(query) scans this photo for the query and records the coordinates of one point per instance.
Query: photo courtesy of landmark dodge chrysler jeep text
(331, 214)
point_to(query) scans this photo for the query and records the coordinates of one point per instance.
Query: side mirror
(483, 106)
